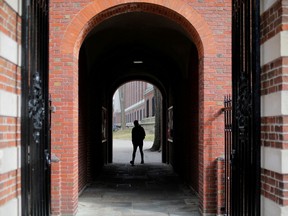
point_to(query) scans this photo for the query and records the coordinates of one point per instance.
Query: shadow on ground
(151, 189)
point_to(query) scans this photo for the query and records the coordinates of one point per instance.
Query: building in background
(138, 104)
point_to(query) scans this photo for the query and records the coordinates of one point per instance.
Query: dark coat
(138, 135)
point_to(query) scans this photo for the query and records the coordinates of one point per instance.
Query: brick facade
(274, 187)
(274, 76)
(274, 20)
(274, 122)
(139, 104)
(10, 90)
(208, 24)
(274, 132)
(149, 110)
(135, 104)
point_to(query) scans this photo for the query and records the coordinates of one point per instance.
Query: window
(147, 108)
(153, 106)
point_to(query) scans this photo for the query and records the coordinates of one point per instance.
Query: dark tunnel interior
(170, 61)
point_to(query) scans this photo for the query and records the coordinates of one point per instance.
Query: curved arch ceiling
(141, 45)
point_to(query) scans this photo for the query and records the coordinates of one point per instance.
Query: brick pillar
(64, 133)
(220, 185)
(274, 113)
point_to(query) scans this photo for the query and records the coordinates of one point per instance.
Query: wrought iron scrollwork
(44, 5)
(36, 107)
(243, 105)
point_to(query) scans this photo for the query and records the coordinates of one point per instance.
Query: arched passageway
(177, 55)
(141, 101)
(148, 47)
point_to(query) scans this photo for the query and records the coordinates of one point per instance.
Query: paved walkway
(150, 189)
(122, 152)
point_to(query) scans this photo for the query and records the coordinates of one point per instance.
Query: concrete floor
(150, 189)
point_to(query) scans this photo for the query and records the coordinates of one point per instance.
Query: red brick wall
(220, 185)
(10, 22)
(10, 132)
(274, 186)
(208, 23)
(10, 82)
(10, 183)
(84, 122)
(274, 79)
(134, 93)
(10, 76)
(274, 132)
(273, 76)
(274, 20)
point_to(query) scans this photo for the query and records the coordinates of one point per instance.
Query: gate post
(64, 135)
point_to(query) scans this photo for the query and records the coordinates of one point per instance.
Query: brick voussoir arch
(178, 11)
(98, 11)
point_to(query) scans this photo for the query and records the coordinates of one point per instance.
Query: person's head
(136, 123)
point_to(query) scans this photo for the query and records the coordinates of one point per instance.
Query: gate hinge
(54, 158)
(52, 108)
(47, 157)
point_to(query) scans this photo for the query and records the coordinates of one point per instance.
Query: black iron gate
(228, 150)
(245, 182)
(35, 126)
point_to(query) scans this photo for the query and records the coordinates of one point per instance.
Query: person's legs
(141, 152)
(133, 154)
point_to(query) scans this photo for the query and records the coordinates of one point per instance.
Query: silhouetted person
(138, 135)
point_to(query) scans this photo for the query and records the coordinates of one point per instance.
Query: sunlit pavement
(122, 152)
(150, 189)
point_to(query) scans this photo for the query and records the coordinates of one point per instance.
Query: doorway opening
(158, 52)
(141, 101)
(172, 50)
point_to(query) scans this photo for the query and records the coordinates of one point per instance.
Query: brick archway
(64, 91)
(98, 11)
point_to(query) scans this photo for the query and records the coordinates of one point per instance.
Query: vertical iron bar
(33, 152)
(230, 152)
(256, 80)
(235, 65)
(40, 70)
(24, 110)
(228, 147)
(246, 108)
(35, 174)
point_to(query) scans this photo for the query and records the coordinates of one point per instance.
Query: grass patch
(126, 135)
